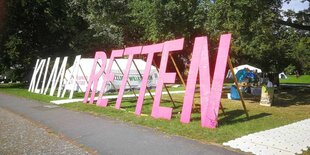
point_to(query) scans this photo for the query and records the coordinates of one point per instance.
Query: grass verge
(291, 105)
(304, 79)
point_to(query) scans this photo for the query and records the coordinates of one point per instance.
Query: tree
(299, 20)
(36, 29)
(256, 34)
(162, 20)
(105, 18)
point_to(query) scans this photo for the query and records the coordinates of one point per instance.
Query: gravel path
(21, 136)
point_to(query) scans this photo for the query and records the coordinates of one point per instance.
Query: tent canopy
(134, 79)
(236, 69)
(282, 75)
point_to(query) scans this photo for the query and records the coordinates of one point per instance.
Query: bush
(290, 69)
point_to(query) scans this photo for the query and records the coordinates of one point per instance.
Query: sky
(295, 5)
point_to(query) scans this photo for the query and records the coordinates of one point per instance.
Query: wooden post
(165, 86)
(237, 85)
(177, 69)
(179, 74)
(222, 108)
(127, 80)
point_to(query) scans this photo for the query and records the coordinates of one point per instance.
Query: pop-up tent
(282, 76)
(236, 69)
(134, 78)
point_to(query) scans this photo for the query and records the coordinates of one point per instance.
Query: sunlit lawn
(304, 79)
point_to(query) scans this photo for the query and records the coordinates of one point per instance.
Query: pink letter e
(157, 110)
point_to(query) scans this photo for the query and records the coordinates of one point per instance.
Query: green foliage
(290, 69)
(41, 28)
(251, 23)
(299, 20)
(36, 29)
(107, 19)
(301, 54)
(163, 20)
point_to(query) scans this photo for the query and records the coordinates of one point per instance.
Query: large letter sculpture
(61, 75)
(52, 75)
(199, 62)
(45, 74)
(34, 76)
(218, 81)
(41, 67)
(94, 77)
(150, 50)
(56, 76)
(108, 77)
(131, 51)
(72, 77)
(157, 110)
(209, 95)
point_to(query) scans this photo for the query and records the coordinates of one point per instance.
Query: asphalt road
(104, 135)
(21, 136)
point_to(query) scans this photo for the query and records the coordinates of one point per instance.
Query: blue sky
(295, 5)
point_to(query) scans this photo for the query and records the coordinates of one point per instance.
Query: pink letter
(157, 110)
(109, 77)
(209, 97)
(131, 51)
(150, 50)
(93, 78)
(217, 82)
(199, 62)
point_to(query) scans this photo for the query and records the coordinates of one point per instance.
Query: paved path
(104, 135)
(21, 136)
(289, 139)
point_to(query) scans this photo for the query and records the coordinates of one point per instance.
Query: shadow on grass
(235, 116)
(232, 117)
(289, 95)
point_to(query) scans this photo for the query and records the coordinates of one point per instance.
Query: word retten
(210, 94)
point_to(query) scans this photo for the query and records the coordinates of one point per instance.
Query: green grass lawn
(305, 79)
(290, 106)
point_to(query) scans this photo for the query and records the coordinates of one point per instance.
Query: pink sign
(131, 51)
(94, 77)
(150, 50)
(109, 77)
(157, 110)
(209, 96)
(218, 81)
(199, 62)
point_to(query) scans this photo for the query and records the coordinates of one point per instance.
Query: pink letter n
(210, 96)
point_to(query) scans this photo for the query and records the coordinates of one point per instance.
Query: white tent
(282, 76)
(236, 69)
(134, 78)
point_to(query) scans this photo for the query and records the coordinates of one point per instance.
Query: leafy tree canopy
(263, 34)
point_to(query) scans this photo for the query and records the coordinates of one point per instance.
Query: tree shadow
(134, 103)
(292, 95)
(232, 117)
